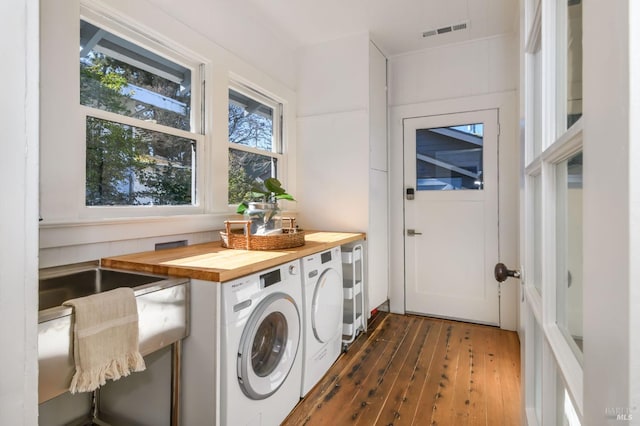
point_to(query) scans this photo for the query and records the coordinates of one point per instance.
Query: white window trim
(196, 122)
(278, 150)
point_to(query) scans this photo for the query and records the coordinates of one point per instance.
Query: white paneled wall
(342, 147)
(332, 77)
(454, 71)
(19, 214)
(332, 171)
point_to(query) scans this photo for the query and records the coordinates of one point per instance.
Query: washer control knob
(293, 269)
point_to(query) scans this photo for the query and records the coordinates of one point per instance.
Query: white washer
(322, 293)
(261, 343)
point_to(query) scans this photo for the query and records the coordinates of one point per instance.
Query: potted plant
(263, 205)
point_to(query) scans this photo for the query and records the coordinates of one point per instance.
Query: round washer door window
(326, 309)
(268, 346)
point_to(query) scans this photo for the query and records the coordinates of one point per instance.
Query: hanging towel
(105, 338)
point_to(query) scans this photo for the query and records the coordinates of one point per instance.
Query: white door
(451, 215)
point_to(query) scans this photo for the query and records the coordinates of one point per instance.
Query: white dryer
(261, 343)
(322, 293)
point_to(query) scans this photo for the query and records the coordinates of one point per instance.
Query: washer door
(268, 346)
(326, 307)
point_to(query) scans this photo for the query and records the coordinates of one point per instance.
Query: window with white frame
(255, 141)
(553, 211)
(141, 131)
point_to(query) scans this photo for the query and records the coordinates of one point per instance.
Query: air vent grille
(446, 29)
(458, 27)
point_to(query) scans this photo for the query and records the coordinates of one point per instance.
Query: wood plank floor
(411, 370)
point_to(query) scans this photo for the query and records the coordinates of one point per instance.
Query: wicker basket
(242, 238)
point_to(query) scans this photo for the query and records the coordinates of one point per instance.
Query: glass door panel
(569, 251)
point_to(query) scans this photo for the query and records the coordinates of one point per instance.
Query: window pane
(569, 249)
(570, 26)
(537, 104)
(537, 233)
(537, 370)
(449, 158)
(130, 166)
(244, 169)
(250, 122)
(567, 415)
(121, 77)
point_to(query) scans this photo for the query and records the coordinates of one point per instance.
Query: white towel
(105, 338)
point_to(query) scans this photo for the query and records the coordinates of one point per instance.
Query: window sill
(71, 233)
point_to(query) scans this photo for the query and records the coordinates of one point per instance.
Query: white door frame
(509, 163)
(430, 280)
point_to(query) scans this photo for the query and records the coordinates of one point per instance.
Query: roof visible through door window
(449, 158)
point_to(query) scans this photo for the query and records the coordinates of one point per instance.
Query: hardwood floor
(411, 370)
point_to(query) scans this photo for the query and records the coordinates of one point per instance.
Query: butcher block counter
(212, 262)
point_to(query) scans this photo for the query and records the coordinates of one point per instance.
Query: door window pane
(131, 166)
(569, 249)
(449, 158)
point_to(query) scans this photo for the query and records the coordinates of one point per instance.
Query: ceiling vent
(448, 29)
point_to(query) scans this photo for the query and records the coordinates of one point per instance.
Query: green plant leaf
(242, 207)
(285, 196)
(274, 185)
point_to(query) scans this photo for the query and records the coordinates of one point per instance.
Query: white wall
(238, 28)
(333, 135)
(475, 75)
(611, 72)
(456, 71)
(19, 215)
(342, 148)
(333, 175)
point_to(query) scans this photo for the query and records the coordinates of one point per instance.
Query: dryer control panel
(270, 278)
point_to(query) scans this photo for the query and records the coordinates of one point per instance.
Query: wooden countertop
(211, 262)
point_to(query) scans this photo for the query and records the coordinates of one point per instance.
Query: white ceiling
(396, 26)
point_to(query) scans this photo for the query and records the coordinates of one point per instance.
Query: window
(255, 141)
(140, 134)
(552, 285)
(449, 158)
(569, 251)
(569, 63)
